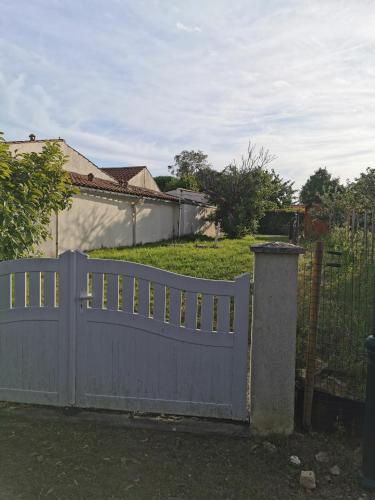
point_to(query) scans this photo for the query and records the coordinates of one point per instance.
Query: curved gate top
(119, 335)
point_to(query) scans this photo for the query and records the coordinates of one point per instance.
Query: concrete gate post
(273, 338)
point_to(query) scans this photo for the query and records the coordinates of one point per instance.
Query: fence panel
(346, 313)
(31, 370)
(162, 362)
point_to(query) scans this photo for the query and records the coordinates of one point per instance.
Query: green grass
(198, 258)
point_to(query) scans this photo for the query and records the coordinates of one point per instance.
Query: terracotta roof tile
(114, 187)
(123, 174)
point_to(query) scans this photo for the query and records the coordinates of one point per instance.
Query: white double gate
(117, 335)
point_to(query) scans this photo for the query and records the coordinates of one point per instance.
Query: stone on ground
(335, 470)
(322, 457)
(269, 446)
(307, 479)
(294, 460)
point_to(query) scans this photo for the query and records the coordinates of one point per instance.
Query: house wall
(144, 179)
(96, 221)
(193, 220)
(75, 161)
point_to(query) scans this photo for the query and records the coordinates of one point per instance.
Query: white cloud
(189, 29)
(126, 88)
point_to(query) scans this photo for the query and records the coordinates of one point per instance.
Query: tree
(32, 187)
(361, 192)
(318, 184)
(186, 166)
(243, 193)
(169, 182)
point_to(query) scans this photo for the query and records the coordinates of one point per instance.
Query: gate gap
(42, 297)
(199, 310)
(12, 301)
(231, 314)
(167, 303)
(214, 314)
(135, 301)
(27, 289)
(183, 308)
(151, 300)
(120, 293)
(57, 290)
(89, 290)
(105, 291)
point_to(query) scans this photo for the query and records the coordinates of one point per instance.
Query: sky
(134, 82)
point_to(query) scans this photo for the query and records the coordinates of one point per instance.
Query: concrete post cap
(277, 247)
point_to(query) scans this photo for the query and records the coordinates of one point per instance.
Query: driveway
(47, 454)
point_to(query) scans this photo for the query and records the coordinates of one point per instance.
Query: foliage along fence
(346, 311)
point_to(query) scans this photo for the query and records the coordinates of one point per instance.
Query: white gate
(119, 335)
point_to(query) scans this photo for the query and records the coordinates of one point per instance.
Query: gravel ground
(69, 458)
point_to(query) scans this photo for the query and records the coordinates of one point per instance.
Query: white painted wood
(34, 289)
(223, 314)
(49, 289)
(169, 279)
(5, 291)
(191, 310)
(97, 290)
(159, 302)
(207, 312)
(128, 293)
(112, 292)
(144, 298)
(117, 359)
(29, 337)
(174, 306)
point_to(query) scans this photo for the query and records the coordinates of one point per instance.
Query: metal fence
(346, 307)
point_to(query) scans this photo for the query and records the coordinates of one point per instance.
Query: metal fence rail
(346, 313)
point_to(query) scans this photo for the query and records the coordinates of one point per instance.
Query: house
(115, 206)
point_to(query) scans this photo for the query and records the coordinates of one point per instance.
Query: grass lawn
(197, 257)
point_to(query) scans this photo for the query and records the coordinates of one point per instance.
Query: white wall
(193, 220)
(75, 161)
(144, 179)
(96, 221)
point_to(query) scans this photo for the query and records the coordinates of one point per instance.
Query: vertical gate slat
(191, 310)
(112, 292)
(223, 314)
(97, 290)
(5, 291)
(207, 312)
(49, 289)
(128, 293)
(159, 302)
(34, 289)
(19, 289)
(175, 306)
(144, 297)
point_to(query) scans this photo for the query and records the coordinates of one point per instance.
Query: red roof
(92, 182)
(122, 174)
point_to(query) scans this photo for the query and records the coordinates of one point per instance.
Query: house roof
(92, 182)
(123, 174)
(35, 140)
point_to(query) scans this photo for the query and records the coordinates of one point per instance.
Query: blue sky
(136, 81)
